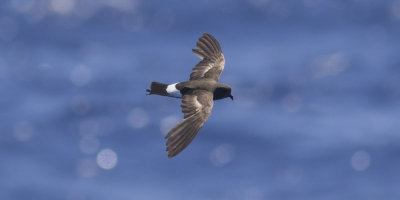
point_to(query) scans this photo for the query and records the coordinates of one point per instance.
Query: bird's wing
(213, 61)
(196, 107)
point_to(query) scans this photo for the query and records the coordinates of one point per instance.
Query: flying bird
(198, 94)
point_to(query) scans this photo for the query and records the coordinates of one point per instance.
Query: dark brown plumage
(197, 94)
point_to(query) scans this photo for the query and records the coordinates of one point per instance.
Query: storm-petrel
(197, 94)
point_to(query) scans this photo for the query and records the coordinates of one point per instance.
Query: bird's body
(197, 94)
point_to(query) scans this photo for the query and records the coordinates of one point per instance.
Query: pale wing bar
(213, 60)
(196, 108)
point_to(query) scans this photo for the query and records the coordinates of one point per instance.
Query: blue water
(315, 116)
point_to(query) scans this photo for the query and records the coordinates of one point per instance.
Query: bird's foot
(149, 92)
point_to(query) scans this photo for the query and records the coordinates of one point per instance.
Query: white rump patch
(173, 92)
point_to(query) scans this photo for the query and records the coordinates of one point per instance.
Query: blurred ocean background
(316, 113)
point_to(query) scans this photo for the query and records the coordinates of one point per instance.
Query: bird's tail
(158, 88)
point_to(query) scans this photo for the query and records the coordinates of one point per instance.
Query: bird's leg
(149, 92)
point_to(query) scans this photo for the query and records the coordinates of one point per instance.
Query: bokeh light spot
(138, 118)
(329, 65)
(81, 75)
(89, 144)
(107, 159)
(395, 10)
(62, 6)
(23, 131)
(360, 160)
(167, 123)
(222, 155)
(87, 168)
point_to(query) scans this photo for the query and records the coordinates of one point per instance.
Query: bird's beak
(231, 97)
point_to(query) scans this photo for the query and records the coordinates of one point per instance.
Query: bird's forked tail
(158, 88)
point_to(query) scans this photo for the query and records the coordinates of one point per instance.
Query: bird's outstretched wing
(196, 107)
(213, 61)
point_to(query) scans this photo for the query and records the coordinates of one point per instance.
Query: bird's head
(223, 91)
